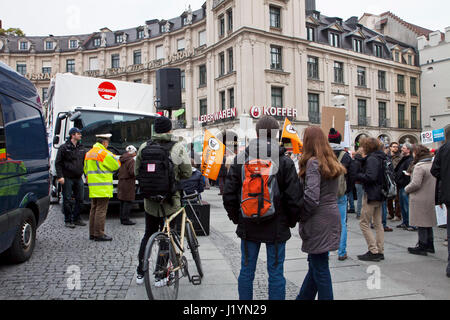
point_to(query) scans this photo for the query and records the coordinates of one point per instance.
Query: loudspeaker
(168, 88)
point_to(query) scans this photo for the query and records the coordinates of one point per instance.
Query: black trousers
(125, 209)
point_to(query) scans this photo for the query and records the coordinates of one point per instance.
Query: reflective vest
(2, 154)
(12, 175)
(99, 167)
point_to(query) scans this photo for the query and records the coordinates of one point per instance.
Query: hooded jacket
(347, 163)
(288, 207)
(371, 174)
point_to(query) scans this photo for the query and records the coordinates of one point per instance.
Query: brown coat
(321, 232)
(127, 179)
(421, 196)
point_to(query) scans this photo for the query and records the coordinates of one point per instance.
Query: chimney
(310, 5)
(421, 42)
(435, 38)
(447, 34)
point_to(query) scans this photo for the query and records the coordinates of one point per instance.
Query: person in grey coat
(320, 221)
(421, 203)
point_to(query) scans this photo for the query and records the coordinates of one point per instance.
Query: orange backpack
(259, 189)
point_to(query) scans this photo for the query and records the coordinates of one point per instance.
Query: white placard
(427, 137)
(441, 215)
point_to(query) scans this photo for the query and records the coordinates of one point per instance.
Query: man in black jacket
(402, 181)
(69, 166)
(441, 171)
(274, 232)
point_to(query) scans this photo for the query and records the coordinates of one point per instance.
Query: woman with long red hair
(320, 222)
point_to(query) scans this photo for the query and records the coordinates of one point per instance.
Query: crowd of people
(316, 190)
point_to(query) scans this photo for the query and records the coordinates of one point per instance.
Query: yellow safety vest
(99, 167)
(12, 175)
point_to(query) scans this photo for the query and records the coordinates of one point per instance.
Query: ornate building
(243, 57)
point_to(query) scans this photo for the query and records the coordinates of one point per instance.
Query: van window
(24, 130)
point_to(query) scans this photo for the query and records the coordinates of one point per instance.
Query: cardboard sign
(333, 117)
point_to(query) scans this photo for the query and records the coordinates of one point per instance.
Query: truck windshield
(126, 129)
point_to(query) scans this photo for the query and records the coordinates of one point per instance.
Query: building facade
(435, 65)
(245, 58)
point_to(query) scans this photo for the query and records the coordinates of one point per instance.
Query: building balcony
(403, 124)
(384, 123)
(363, 121)
(415, 124)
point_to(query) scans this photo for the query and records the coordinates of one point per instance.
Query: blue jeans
(360, 194)
(351, 201)
(385, 211)
(342, 204)
(318, 279)
(277, 282)
(71, 210)
(404, 206)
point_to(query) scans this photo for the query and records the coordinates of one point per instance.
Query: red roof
(415, 28)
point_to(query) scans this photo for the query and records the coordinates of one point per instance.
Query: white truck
(96, 106)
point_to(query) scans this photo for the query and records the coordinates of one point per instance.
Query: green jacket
(183, 170)
(99, 167)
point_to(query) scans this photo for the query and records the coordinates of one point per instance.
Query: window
(311, 36)
(378, 50)
(221, 64)
(184, 21)
(93, 63)
(47, 67)
(203, 107)
(275, 58)
(277, 97)
(183, 80)
(70, 65)
(97, 42)
(23, 45)
(413, 82)
(21, 68)
(48, 45)
(230, 20)
(410, 60)
(362, 112)
(231, 97)
(334, 40)
(230, 60)
(159, 52)
(313, 108)
(222, 100)
(414, 122)
(181, 44)
(397, 56)
(313, 68)
(140, 34)
(275, 17)
(401, 116)
(119, 38)
(382, 114)
(361, 77)
(202, 38)
(221, 26)
(137, 57)
(400, 83)
(338, 72)
(44, 94)
(382, 80)
(202, 71)
(73, 44)
(115, 61)
(137, 80)
(357, 45)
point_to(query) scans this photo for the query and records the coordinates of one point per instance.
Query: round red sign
(107, 90)
(256, 112)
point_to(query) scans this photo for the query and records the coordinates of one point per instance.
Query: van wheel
(25, 239)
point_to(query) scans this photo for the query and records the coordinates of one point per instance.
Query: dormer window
(97, 42)
(378, 50)
(140, 34)
(119, 38)
(48, 45)
(184, 21)
(410, 60)
(310, 33)
(73, 44)
(357, 45)
(23, 45)
(334, 39)
(396, 56)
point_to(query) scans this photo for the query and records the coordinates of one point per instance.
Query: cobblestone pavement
(106, 269)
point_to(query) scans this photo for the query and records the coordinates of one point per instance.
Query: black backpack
(389, 187)
(156, 173)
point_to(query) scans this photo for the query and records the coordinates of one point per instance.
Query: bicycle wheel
(161, 282)
(193, 246)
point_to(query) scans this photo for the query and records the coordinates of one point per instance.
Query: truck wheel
(25, 239)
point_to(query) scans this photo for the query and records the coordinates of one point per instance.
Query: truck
(97, 106)
(24, 166)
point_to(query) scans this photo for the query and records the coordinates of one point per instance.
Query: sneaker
(139, 279)
(80, 223)
(70, 225)
(343, 258)
(369, 256)
(161, 283)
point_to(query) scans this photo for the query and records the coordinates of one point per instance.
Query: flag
(213, 153)
(289, 132)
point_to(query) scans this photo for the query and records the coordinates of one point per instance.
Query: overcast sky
(66, 17)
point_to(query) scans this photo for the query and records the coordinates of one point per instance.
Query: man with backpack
(263, 197)
(346, 183)
(160, 164)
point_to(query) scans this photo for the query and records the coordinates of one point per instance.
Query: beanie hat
(334, 136)
(163, 125)
(131, 149)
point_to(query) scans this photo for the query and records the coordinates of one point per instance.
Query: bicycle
(164, 256)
